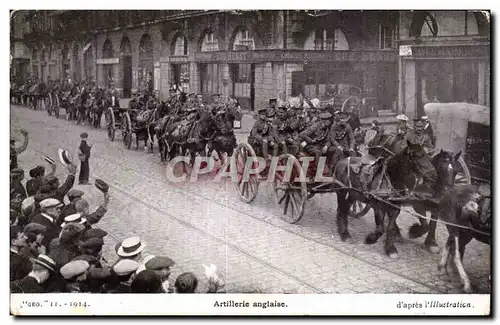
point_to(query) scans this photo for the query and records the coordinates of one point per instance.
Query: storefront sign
(108, 61)
(294, 56)
(405, 50)
(465, 51)
(178, 59)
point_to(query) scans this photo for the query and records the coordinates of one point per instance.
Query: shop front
(445, 74)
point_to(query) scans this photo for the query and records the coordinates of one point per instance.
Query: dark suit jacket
(52, 229)
(85, 148)
(27, 284)
(20, 266)
(33, 185)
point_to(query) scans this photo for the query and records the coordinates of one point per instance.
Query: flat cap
(84, 135)
(28, 205)
(92, 243)
(34, 228)
(94, 233)
(74, 193)
(159, 262)
(325, 116)
(50, 203)
(125, 267)
(74, 268)
(16, 172)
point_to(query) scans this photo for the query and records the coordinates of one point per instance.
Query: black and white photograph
(270, 162)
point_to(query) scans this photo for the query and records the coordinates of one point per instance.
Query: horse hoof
(347, 239)
(394, 256)
(371, 239)
(467, 288)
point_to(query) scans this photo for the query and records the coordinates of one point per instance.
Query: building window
(242, 73)
(180, 46)
(210, 79)
(210, 43)
(386, 37)
(326, 40)
(243, 40)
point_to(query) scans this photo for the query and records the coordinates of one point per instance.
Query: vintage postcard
(290, 162)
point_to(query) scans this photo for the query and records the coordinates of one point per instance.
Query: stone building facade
(252, 55)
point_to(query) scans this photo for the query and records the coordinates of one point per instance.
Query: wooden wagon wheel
(290, 193)
(247, 189)
(57, 107)
(110, 123)
(127, 130)
(463, 176)
(350, 101)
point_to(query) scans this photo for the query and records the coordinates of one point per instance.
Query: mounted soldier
(224, 117)
(341, 141)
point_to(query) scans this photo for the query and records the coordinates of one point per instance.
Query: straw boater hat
(74, 218)
(44, 261)
(64, 157)
(49, 160)
(130, 247)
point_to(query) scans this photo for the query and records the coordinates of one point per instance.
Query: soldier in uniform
(316, 136)
(419, 136)
(281, 127)
(259, 135)
(224, 117)
(341, 141)
(428, 129)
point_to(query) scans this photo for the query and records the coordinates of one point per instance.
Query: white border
(195, 300)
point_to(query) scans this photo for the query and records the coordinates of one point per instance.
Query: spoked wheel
(247, 186)
(463, 175)
(110, 123)
(352, 100)
(289, 190)
(127, 130)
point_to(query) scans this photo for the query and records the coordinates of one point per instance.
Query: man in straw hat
(43, 269)
(131, 248)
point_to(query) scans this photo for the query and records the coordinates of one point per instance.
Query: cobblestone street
(204, 222)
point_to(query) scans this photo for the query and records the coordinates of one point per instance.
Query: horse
(389, 176)
(467, 206)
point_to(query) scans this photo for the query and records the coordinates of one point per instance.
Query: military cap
(44, 261)
(159, 262)
(34, 228)
(50, 203)
(74, 268)
(74, 193)
(87, 258)
(94, 233)
(125, 267)
(92, 243)
(84, 135)
(37, 171)
(325, 116)
(418, 123)
(17, 172)
(402, 117)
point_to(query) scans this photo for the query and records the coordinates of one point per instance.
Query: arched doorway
(243, 74)
(145, 73)
(107, 53)
(65, 65)
(88, 63)
(126, 64)
(76, 62)
(180, 72)
(210, 77)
